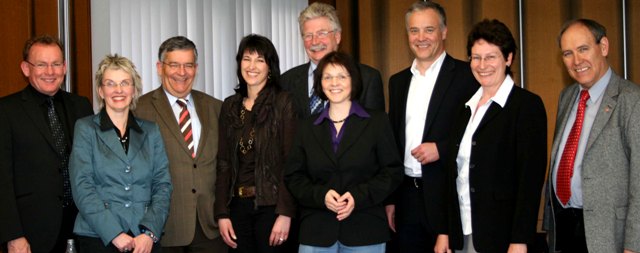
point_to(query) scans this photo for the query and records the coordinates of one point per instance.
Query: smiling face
(116, 90)
(45, 68)
(585, 60)
(426, 36)
(255, 70)
(487, 64)
(178, 72)
(336, 84)
(319, 46)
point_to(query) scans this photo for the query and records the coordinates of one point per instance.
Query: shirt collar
(106, 124)
(598, 88)
(42, 98)
(434, 66)
(499, 98)
(355, 109)
(173, 99)
(312, 67)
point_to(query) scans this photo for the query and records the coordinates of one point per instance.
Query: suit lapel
(320, 133)
(32, 109)
(352, 131)
(607, 106)
(136, 140)
(201, 109)
(301, 89)
(110, 140)
(439, 90)
(403, 92)
(161, 105)
(564, 109)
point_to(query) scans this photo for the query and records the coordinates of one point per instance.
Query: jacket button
(471, 189)
(473, 143)
(127, 169)
(193, 190)
(128, 204)
(471, 166)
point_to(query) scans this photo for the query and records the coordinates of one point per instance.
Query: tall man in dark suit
(592, 202)
(321, 32)
(190, 226)
(36, 131)
(422, 101)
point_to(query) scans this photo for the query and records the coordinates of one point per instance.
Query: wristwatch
(148, 232)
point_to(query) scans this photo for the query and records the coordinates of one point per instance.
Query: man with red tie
(592, 202)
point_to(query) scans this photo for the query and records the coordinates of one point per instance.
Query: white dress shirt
(195, 121)
(418, 99)
(464, 153)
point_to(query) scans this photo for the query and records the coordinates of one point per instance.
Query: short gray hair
(317, 10)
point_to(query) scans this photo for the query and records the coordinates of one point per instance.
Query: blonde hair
(116, 62)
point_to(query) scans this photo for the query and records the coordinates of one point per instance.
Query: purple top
(336, 138)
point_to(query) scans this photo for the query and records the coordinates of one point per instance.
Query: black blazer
(507, 169)
(296, 81)
(30, 183)
(454, 86)
(366, 165)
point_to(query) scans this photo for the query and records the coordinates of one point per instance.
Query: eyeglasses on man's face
(177, 66)
(111, 84)
(43, 66)
(322, 34)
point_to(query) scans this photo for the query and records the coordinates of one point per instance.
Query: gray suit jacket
(610, 169)
(193, 179)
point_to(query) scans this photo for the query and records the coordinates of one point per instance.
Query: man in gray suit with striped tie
(593, 200)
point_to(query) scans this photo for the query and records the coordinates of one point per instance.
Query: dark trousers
(200, 243)
(570, 237)
(253, 226)
(94, 245)
(414, 234)
(69, 214)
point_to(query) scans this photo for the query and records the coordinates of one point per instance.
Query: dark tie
(185, 125)
(565, 169)
(315, 104)
(61, 147)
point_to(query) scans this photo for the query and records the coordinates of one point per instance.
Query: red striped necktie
(185, 125)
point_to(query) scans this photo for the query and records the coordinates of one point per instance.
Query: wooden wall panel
(15, 28)
(80, 25)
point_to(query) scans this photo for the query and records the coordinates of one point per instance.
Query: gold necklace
(244, 149)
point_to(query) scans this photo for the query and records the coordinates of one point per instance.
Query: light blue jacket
(116, 191)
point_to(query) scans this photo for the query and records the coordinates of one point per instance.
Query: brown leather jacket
(274, 123)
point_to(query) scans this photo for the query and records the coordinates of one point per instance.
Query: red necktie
(565, 169)
(185, 126)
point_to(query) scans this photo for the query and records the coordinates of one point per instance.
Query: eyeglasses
(176, 66)
(319, 34)
(341, 78)
(112, 84)
(43, 66)
(487, 59)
